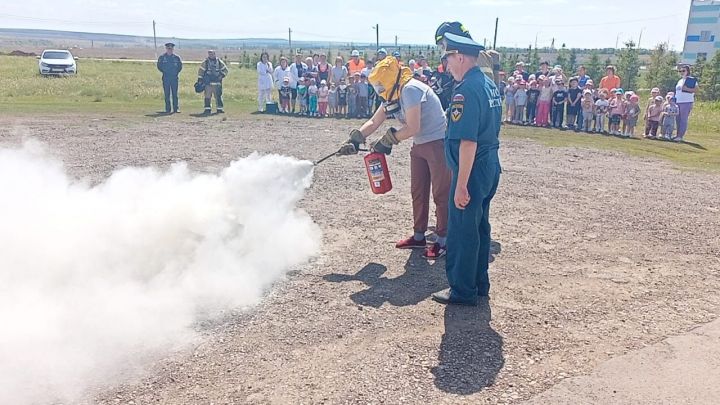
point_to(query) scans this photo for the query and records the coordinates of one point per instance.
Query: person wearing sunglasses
(685, 91)
(471, 151)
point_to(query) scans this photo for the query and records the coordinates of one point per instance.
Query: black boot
(208, 110)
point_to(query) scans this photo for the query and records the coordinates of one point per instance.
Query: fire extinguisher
(378, 173)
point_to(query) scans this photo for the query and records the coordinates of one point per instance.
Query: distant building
(702, 38)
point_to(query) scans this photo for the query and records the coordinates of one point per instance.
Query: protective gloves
(352, 145)
(385, 144)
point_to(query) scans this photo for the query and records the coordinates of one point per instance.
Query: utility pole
(640, 38)
(395, 41)
(497, 20)
(290, 41)
(377, 36)
(155, 40)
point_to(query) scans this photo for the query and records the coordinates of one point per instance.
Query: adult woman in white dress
(265, 81)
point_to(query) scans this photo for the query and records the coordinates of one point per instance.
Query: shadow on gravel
(495, 249)
(420, 280)
(694, 145)
(471, 352)
(158, 114)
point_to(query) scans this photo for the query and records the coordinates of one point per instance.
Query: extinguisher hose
(335, 153)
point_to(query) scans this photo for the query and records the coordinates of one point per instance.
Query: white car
(57, 62)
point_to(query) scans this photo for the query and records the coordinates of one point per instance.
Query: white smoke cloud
(96, 280)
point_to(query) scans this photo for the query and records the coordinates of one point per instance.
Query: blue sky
(577, 23)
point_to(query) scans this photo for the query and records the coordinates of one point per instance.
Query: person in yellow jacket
(212, 72)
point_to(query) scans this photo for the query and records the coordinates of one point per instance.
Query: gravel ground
(599, 254)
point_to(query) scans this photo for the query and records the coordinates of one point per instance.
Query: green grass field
(134, 88)
(106, 86)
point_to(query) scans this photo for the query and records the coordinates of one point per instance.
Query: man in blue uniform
(471, 151)
(170, 65)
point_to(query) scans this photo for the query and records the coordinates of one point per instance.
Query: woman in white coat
(265, 81)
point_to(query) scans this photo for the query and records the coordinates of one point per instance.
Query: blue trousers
(468, 239)
(170, 88)
(558, 115)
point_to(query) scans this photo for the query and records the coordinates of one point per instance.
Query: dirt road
(601, 254)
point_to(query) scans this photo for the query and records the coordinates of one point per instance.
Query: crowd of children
(354, 98)
(342, 91)
(546, 99)
(550, 100)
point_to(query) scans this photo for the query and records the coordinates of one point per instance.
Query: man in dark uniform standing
(444, 84)
(471, 151)
(170, 65)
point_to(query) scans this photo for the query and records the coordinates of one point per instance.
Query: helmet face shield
(379, 89)
(387, 77)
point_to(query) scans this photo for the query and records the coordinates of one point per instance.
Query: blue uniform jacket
(169, 65)
(475, 114)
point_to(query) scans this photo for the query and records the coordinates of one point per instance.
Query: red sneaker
(434, 251)
(411, 243)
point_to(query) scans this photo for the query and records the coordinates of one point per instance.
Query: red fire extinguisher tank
(378, 173)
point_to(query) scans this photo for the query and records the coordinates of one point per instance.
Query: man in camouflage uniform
(212, 72)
